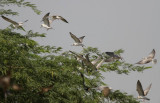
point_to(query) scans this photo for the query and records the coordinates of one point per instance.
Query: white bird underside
(46, 21)
(78, 41)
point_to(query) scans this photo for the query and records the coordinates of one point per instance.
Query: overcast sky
(131, 25)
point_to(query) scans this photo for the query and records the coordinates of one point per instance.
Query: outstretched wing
(139, 88)
(96, 60)
(45, 19)
(75, 38)
(9, 20)
(60, 17)
(45, 16)
(152, 54)
(147, 90)
(81, 38)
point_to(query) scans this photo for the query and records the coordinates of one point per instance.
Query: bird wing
(99, 64)
(110, 54)
(81, 38)
(147, 90)
(63, 19)
(152, 54)
(47, 22)
(75, 38)
(96, 60)
(45, 19)
(9, 20)
(144, 61)
(45, 16)
(139, 88)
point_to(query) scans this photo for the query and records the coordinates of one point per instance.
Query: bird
(46, 21)
(142, 93)
(16, 87)
(85, 60)
(104, 89)
(15, 24)
(78, 41)
(58, 18)
(46, 89)
(100, 63)
(113, 55)
(149, 58)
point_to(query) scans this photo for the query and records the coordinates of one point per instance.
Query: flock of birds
(47, 20)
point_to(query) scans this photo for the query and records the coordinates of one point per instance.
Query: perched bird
(142, 93)
(104, 89)
(46, 21)
(85, 60)
(16, 87)
(58, 18)
(148, 59)
(46, 89)
(113, 55)
(5, 83)
(15, 24)
(78, 41)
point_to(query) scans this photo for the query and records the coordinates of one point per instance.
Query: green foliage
(19, 3)
(34, 67)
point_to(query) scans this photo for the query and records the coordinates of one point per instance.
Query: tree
(46, 74)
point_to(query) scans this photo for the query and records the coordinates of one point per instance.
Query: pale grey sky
(131, 25)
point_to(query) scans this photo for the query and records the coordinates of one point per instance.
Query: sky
(109, 25)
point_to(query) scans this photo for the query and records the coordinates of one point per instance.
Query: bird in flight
(15, 24)
(49, 19)
(78, 41)
(46, 21)
(142, 93)
(148, 59)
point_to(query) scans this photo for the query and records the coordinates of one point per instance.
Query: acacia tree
(46, 74)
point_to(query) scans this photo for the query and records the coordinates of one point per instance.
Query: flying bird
(46, 21)
(142, 93)
(15, 24)
(148, 59)
(78, 41)
(58, 18)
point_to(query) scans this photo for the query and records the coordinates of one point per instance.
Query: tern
(142, 93)
(15, 24)
(78, 41)
(148, 59)
(46, 21)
